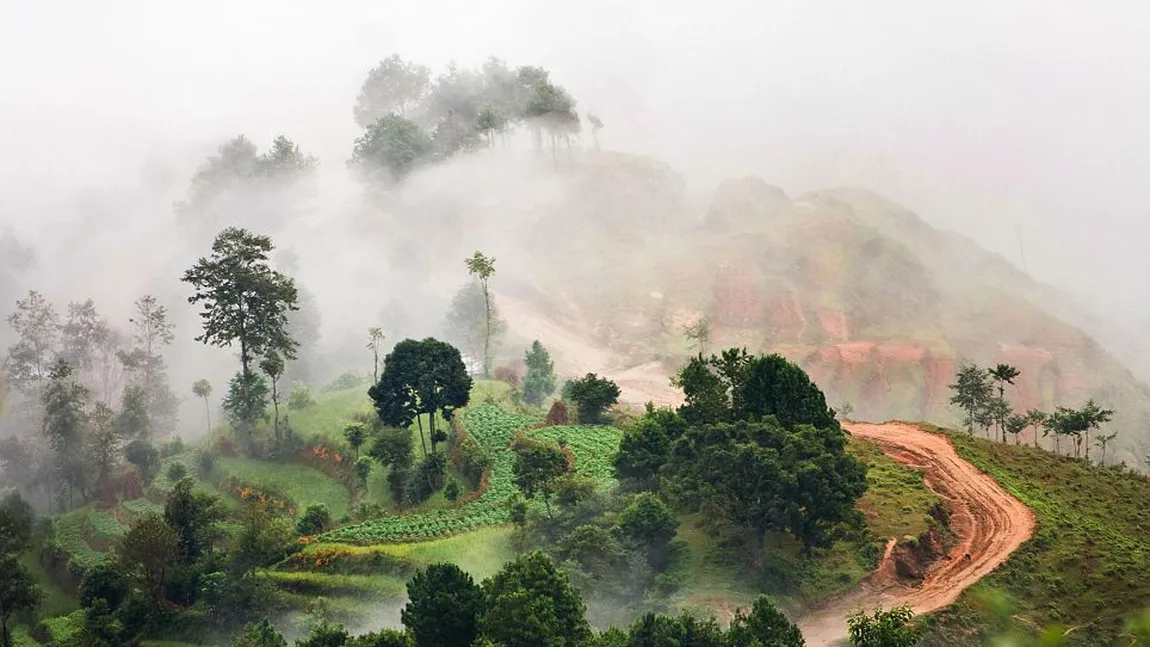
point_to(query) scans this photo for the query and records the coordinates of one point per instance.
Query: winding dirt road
(988, 522)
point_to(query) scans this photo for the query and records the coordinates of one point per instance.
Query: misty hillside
(875, 303)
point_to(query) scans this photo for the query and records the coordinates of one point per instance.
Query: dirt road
(988, 522)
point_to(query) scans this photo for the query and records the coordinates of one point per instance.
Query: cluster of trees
(974, 392)
(754, 446)
(69, 373)
(529, 603)
(410, 119)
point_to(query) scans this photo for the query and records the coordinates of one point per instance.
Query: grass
(327, 584)
(897, 501)
(55, 601)
(72, 532)
(1087, 564)
(299, 483)
(480, 552)
(331, 412)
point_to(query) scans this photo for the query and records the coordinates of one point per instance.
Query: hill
(877, 305)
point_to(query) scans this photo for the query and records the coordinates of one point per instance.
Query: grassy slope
(1087, 565)
(301, 484)
(895, 505)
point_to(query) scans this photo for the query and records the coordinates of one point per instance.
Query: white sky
(982, 116)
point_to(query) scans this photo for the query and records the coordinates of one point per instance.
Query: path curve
(988, 522)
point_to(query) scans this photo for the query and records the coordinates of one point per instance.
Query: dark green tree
(764, 625)
(646, 447)
(592, 395)
(148, 552)
(355, 434)
(64, 425)
(539, 381)
(651, 524)
(243, 300)
(443, 607)
(315, 519)
(273, 366)
(324, 634)
(144, 456)
(892, 628)
(17, 593)
(152, 331)
(972, 393)
(246, 401)
(260, 634)
(421, 378)
(483, 268)
(104, 580)
(193, 515)
(530, 603)
(537, 466)
(1002, 374)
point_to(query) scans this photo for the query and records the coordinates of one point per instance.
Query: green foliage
(443, 607)
(1083, 568)
(393, 145)
(592, 395)
(537, 465)
(298, 483)
(451, 491)
(355, 434)
(344, 382)
(143, 455)
(259, 634)
(471, 312)
(766, 477)
(247, 400)
(193, 515)
(530, 603)
(17, 593)
(764, 625)
(420, 377)
(63, 426)
(891, 628)
(393, 86)
(315, 519)
(972, 393)
(105, 581)
(300, 397)
(646, 447)
(539, 382)
(37, 327)
(148, 551)
(736, 386)
(652, 524)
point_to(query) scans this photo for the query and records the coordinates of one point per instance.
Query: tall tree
(596, 126)
(467, 320)
(539, 381)
(64, 402)
(105, 445)
(537, 466)
(243, 300)
(1102, 441)
(149, 550)
(972, 393)
(393, 86)
(1093, 416)
(203, 389)
(375, 338)
(483, 268)
(273, 366)
(152, 331)
(531, 603)
(193, 516)
(698, 334)
(1003, 374)
(443, 607)
(29, 360)
(80, 335)
(1034, 419)
(18, 592)
(420, 377)
(393, 145)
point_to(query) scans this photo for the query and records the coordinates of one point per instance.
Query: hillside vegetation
(1085, 568)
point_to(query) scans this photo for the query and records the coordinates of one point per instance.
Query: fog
(998, 120)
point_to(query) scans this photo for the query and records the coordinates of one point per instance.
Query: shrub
(315, 519)
(300, 397)
(345, 382)
(592, 395)
(471, 459)
(205, 463)
(177, 471)
(176, 446)
(143, 455)
(451, 492)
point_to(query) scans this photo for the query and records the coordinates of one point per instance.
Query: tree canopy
(420, 378)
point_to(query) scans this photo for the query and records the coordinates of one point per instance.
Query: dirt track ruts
(988, 522)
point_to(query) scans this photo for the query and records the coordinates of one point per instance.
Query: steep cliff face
(876, 304)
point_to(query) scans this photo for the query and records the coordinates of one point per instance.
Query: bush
(143, 455)
(315, 519)
(205, 463)
(472, 460)
(451, 492)
(345, 382)
(176, 446)
(300, 397)
(176, 471)
(425, 479)
(592, 395)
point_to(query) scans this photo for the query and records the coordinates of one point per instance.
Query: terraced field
(493, 429)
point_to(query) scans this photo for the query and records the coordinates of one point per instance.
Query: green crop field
(299, 483)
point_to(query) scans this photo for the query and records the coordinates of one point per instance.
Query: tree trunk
(1087, 446)
(208, 413)
(422, 440)
(276, 409)
(4, 634)
(431, 429)
(487, 332)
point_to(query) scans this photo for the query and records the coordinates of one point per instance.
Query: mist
(1019, 123)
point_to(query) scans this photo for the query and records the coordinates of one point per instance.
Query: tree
(105, 445)
(148, 551)
(651, 524)
(443, 608)
(193, 515)
(362, 470)
(764, 625)
(1102, 441)
(592, 395)
(81, 333)
(1015, 425)
(243, 300)
(273, 366)
(153, 330)
(64, 425)
(468, 319)
(392, 144)
(1092, 416)
(393, 86)
(134, 420)
(246, 401)
(104, 580)
(698, 334)
(144, 456)
(17, 593)
(203, 389)
(420, 377)
(998, 411)
(29, 360)
(893, 628)
(530, 603)
(483, 268)
(539, 382)
(646, 447)
(1003, 374)
(490, 122)
(763, 477)
(596, 126)
(972, 393)
(374, 342)
(1035, 419)
(355, 433)
(16, 522)
(259, 634)
(315, 519)
(537, 465)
